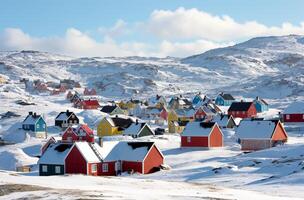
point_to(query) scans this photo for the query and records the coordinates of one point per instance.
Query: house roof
(260, 101)
(108, 108)
(119, 122)
(239, 106)
(227, 96)
(221, 120)
(64, 115)
(31, 119)
(90, 102)
(55, 154)
(256, 129)
(198, 129)
(129, 151)
(135, 129)
(87, 151)
(86, 128)
(295, 108)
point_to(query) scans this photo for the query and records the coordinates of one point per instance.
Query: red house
(113, 158)
(78, 133)
(260, 134)
(204, 111)
(140, 157)
(89, 104)
(83, 158)
(202, 134)
(294, 113)
(242, 110)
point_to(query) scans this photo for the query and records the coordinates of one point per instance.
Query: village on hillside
(120, 142)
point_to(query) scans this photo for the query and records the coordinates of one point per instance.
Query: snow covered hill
(271, 67)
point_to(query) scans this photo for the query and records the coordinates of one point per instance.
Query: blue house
(34, 123)
(198, 98)
(224, 99)
(261, 105)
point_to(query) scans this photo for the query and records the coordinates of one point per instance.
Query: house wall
(75, 163)
(131, 165)
(153, 160)
(90, 169)
(111, 169)
(105, 129)
(145, 132)
(294, 117)
(251, 112)
(40, 125)
(50, 170)
(216, 137)
(199, 114)
(69, 133)
(255, 145)
(195, 141)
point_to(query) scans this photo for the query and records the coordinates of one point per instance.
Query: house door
(118, 167)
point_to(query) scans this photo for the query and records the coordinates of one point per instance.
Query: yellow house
(181, 116)
(106, 127)
(112, 126)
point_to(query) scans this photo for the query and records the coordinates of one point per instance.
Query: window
(57, 169)
(37, 126)
(188, 139)
(70, 139)
(244, 112)
(75, 121)
(287, 116)
(105, 167)
(237, 112)
(44, 168)
(43, 125)
(303, 117)
(94, 168)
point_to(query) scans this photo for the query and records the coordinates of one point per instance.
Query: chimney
(67, 111)
(35, 115)
(136, 122)
(181, 96)
(257, 98)
(100, 142)
(30, 113)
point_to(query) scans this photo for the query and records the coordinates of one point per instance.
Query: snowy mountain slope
(261, 64)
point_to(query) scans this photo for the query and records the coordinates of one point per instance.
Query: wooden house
(35, 124)
(294, 113)
(112, 110)
(113, 125)
(224, 99)
(89, 92)
(84, 158)
(260, 134)
(65, 119)
(201, 134)
(242, 110)
(138, 129)
(224, 121)
(260, 105)
(52, 161)
(88, 104)
(198, 98)
(78, 133)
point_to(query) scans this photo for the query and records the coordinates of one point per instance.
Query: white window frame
(105, 167)
(303, 116)
(57, 169)
(188, 139)
(70, 139)
(94, 168)
(287, 116)
(44, 168)
(37, 126)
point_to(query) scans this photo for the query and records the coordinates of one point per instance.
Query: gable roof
(221, 120)
(256, 129)
(198, 129)
(108, 108)
(90, 102)
(260, 101)
(31, 119)
(129, 151)
(76, 129)
(240, 106)
(226, 96)
(87, 152)
(55, 153)
(120, 122)
(62, 116)
(136, 128)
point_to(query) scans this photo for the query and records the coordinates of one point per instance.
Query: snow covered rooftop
(198, 129)
(87, 151)
(31, 119)
(55, 154)
(255, 129)
(134, 129)
(295, 108)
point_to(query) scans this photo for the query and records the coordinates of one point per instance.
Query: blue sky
(130, 25)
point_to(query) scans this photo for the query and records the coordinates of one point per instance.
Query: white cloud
(195, 24)
(181, 32)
